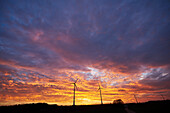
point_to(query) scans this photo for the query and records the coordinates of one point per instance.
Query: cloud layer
(45, 45)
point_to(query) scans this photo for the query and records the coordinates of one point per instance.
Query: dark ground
(149, 107)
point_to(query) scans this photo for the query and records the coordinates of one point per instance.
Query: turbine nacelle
(99, 88)
(75, 85)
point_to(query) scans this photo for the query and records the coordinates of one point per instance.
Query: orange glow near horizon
(34, 88)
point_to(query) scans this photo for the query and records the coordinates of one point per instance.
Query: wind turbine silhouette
(100, 94)
(135, 98)
(162, 97)
(75, 87)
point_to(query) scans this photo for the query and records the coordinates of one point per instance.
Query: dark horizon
(86, 104)
(147, 107)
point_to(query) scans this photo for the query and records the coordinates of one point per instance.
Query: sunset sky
(45, 45)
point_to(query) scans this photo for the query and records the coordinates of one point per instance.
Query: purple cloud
(63, 38)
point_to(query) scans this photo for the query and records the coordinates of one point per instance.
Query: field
(148, 107)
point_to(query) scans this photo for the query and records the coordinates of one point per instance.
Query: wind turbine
(162, 97)
(75, 87)
(100, 94)
(135, 98)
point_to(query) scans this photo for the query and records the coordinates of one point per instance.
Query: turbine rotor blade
(76, 81)
(99, 88)
(76, 87)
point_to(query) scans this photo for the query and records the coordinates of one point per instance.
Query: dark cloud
(44, 39)
(158, 79)
(125, 33)
(121, 90)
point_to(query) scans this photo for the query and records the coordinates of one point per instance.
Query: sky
(121, 45)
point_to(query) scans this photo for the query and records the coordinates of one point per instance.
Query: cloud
(158, 78)
(116, 43)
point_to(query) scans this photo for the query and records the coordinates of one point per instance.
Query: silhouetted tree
(118, 101)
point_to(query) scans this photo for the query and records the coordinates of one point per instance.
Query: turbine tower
(100, 94)
(135, 98)
(75, 87)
